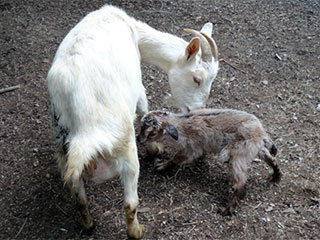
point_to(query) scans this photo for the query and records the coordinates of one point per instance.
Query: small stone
(269, 209)
(48, 176)
(257, 160)
(289, 210)
(36, 163)
(265, 82)
(318, 107)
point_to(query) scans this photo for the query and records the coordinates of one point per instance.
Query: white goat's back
(95, 83)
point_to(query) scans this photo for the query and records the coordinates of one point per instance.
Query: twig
(106, 195)
(25, 221)
(155, 11)
(8, 89)
(256, 206)
(222, 60)
(61, 210)
(187, 224)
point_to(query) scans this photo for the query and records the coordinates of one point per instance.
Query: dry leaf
(161, 212)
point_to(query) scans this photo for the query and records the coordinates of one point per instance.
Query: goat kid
(95, 91)
(238, 137)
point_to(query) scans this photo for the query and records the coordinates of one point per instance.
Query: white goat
(95, 91)
(238, 137)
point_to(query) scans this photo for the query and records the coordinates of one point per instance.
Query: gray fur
(237, 137)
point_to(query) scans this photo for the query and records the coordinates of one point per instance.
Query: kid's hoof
(88, 226)
(276, 177)
(227, 212)
(137, 233)
(160, 165)
(155, 148)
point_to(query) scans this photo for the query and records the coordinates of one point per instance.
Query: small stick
(61, 210)
(25, 221)
(222, 60)
(8, 89)
(187, 224)
(106, 196)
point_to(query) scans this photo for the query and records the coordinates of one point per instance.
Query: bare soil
(271, 51)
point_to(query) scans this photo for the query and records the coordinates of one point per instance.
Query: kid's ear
(172, 131)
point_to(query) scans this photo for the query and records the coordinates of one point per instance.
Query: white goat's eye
(197, 80)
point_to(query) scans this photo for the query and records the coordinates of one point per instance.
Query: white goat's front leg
(142, 106)
(129, 176)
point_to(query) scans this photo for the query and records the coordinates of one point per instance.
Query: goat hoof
(155, 148)
(276, 177)
(158, 166)
(137, 233)
(227, 212)
(88, 227)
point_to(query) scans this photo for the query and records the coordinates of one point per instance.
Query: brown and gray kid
(236, 136)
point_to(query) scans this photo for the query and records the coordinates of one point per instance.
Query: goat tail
(269, 144)
(76, 162)
(81, 155)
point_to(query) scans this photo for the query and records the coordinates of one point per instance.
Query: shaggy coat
(235, 136)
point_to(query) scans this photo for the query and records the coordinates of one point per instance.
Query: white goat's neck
(159, 48)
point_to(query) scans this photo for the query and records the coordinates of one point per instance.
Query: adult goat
(95, 90)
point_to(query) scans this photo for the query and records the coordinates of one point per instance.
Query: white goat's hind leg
(129, 177)
(82, 205)
(78, 191)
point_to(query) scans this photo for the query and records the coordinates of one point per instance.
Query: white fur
(95, 91)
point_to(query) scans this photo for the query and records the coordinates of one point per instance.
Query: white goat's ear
(172, 131)
(192, 48)
(207, 29)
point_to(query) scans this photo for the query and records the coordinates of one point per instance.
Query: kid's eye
(152, 134)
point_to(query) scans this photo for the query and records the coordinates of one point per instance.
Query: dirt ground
(271, 51)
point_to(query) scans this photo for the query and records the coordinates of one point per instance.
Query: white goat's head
(191, 77)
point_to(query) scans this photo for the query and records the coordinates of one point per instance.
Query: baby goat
(238, 137)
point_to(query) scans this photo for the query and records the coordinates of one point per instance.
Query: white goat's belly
(103, 172)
